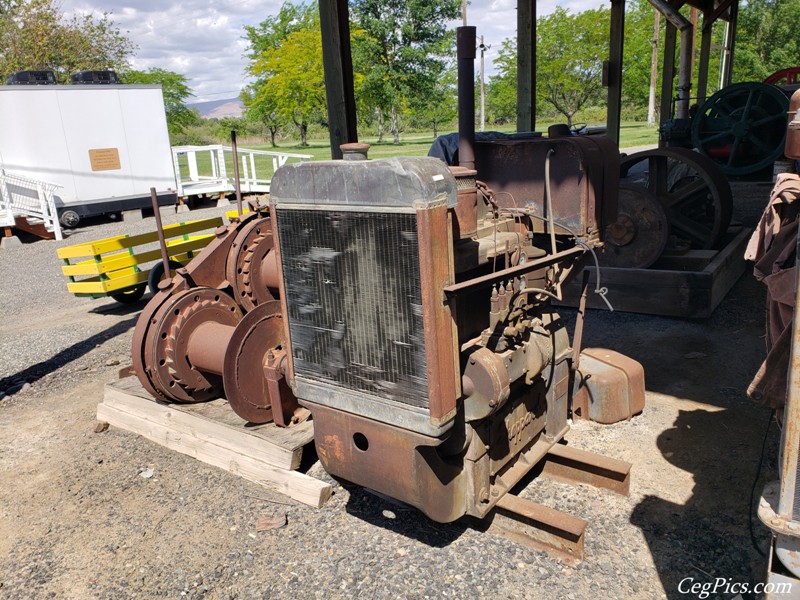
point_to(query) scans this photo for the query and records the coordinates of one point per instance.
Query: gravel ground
(78, 519)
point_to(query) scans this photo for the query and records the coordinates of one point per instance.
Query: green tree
(570, 52)
(501, 91)
(264, 113)
(286, 59)
(34, 35)
(400, 51)
(439, 106)
(766, 39)
(176, 91)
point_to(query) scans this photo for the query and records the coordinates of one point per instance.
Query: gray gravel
(77, 519)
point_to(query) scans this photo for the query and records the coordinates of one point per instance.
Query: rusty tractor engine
(420, 328)
(407, 306)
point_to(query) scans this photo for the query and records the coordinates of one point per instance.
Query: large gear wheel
(249, 265)
(185, 343)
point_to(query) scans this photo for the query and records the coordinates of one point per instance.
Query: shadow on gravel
(400, 518)
(67, 355)
(120, 309)
(708, 536)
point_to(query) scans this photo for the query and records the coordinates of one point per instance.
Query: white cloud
(202, 39)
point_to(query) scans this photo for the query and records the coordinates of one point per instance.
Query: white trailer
(105, 145)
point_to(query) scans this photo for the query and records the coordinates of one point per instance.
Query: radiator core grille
(355, 305)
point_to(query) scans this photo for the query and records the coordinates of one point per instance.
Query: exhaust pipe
(465, 51)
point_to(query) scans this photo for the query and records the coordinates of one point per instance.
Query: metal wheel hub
(692, 189)
(168, 345)
(638, 237)
(258, 334)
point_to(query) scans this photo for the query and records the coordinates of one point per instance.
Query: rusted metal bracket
(537, 526)
(579, 466)
(542, 528)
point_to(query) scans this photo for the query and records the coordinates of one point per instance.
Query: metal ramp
(204, 170)
(31, 200)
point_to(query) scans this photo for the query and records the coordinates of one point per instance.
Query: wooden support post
(668, 73)
(734, 18)
(705, 53)
(338, 65)
(615, 50)
(526, 65)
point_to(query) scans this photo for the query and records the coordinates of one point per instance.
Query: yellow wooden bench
(113, 266)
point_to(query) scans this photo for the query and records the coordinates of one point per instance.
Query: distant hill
(217, 109)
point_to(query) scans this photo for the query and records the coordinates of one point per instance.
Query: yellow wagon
(117, 266)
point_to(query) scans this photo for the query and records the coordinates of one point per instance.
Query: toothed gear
(170, 370)
(243, 267)
(247, 264)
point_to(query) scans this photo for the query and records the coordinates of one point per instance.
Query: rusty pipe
(269, 272)
(162, 242)
(465, 50)
(207, 346)
(686, 28)
(236, 183)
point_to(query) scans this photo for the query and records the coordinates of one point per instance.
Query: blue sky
(202, 39)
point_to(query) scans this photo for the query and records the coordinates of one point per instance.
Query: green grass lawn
(412, 144)
(417, 144)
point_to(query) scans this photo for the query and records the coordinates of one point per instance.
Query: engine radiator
(364, 257)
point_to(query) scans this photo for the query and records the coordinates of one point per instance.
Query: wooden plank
(298, 486)
(728, 267)
(693, 260)
(671, 293)
(280, 446)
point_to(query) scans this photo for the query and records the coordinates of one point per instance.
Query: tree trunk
(379, 113)
(435, 129)
(272, 132)
(395, 126)
(303, 134)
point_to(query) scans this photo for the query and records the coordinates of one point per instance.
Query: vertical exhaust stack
(465, 50)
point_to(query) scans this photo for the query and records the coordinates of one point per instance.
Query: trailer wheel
(69, 218)
(157, 274)
(130, 296)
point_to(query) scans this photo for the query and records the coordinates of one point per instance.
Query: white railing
(209, 174)
(22, 196)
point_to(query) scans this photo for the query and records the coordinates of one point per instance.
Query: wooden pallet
(212, 433)
(686, 285)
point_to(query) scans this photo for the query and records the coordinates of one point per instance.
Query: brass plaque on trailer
(104, 159)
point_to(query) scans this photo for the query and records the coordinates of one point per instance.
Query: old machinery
(194, 342)
(742, 127)
(638, 236)
(407, 305)
(418, 319)
(692, 190)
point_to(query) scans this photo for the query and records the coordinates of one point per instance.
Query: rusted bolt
(793, 526)
(220, 231)
(484, 496)
(775, 521)
(495, 493)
